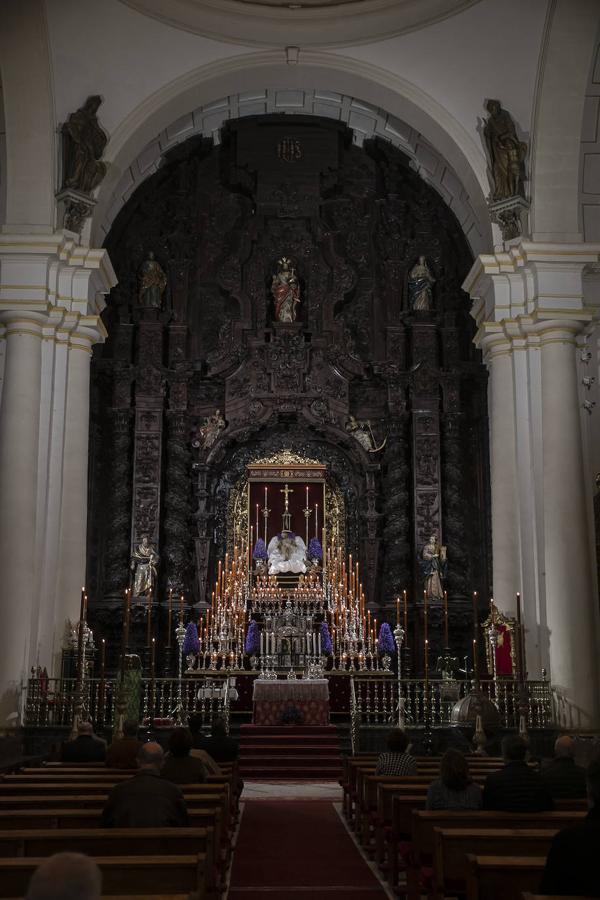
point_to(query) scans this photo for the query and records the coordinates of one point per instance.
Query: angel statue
(362, 432)
(286, 291)
(210, 430)
(144, 565)
(420, 283)
(287, 553)
(433, 565)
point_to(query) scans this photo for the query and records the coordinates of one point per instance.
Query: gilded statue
(433, 565)
(144, 565)
(420, 284)
(210, 430)
(152, 283)
(507, 153)
(286, 291)
(83, 143)
(362, 432)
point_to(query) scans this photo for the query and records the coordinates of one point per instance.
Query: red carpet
(298, 847)
(289, 752)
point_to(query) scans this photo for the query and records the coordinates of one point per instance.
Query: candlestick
(445, 618)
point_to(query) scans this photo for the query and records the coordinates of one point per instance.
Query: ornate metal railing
(375, 701)
(51, 703)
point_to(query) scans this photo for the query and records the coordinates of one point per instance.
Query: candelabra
(85, 648)
(399, 638)
(179, 711)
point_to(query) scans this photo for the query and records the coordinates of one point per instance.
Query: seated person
(180, 767)
(85, 748)
(397, 760)
(146, 800)
(219, 745)
(562, 777)
(454, 789)
(572, 864)
(66, 876)
(516, 787)
(195, 726)
(122, 753)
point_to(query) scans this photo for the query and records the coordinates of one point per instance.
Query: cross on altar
(287, 491)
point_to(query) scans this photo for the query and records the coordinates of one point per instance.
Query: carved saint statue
(287, 553)
(286, 291)
(433, 568)
(507, 153)
(83, 143)
(361, 431)
(420, 283)
(210, 430)
(144, 565)
(152, 283)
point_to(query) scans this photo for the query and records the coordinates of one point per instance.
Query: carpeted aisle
(296, 846)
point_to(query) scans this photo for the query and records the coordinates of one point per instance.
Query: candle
(405, 616)
(181, 602)
(306, 496)
(316, 519)
(170, 617)
(475, 663)
(82, 604)
(149, 623)
(262, 644)
(425, 614)
(153, 656)
(126, 625)
(475, 613)
(397, 610)
(445, 618)
(319, 643)
(102, 658)
(266, 512)
(257, 505)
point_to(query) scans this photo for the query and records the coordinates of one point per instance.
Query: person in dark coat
(516, 787)
(85, 748)
(180, 767)
(562, 777)
(146, 800)
(122, 753)
(219, 745)
(572, 863)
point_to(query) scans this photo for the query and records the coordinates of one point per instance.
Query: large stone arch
(244, 75)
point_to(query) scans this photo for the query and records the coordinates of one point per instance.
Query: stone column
(503, 474)
(19, 429)
(571, 592)
(73, 526)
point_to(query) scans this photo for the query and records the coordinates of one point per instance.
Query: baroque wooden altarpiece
(354, 221)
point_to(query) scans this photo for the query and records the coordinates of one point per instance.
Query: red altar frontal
(305, 700)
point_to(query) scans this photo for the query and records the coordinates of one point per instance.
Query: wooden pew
(138, 876)
(502, 877)
(451, 846)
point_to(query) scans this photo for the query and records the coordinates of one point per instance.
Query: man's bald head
(564, 747)
(85, 728)
(66, 876)
(151, 756)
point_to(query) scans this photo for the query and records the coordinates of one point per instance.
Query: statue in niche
(286, 291)
(144, 565)
(210, 430)
(152, 283)
(420, 286)
(433, 564)
(507, 153)
(83, 143)
(362, 432)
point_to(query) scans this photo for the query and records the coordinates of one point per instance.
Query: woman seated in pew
(180, 767)
(454, 789)
(397, 760)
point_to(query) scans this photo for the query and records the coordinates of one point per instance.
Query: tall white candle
(262, 644)
(319, 643)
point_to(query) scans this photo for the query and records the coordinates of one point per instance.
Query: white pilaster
(528, 305)
(57, 285)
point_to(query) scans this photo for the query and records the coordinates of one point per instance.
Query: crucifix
(286, 491)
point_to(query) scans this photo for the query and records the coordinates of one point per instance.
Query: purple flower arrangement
(191, 643)
(252, 645)
(387, 644)
(326, 645)
(315, 550)
(260, 550)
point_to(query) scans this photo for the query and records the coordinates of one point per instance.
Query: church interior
(299, 449)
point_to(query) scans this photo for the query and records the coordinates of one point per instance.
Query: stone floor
(292, 790)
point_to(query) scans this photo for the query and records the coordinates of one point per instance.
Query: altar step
(289, 752)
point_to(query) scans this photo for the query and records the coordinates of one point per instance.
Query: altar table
(273, 699)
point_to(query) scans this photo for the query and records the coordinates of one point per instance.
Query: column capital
(53, 275)
(524, 288)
